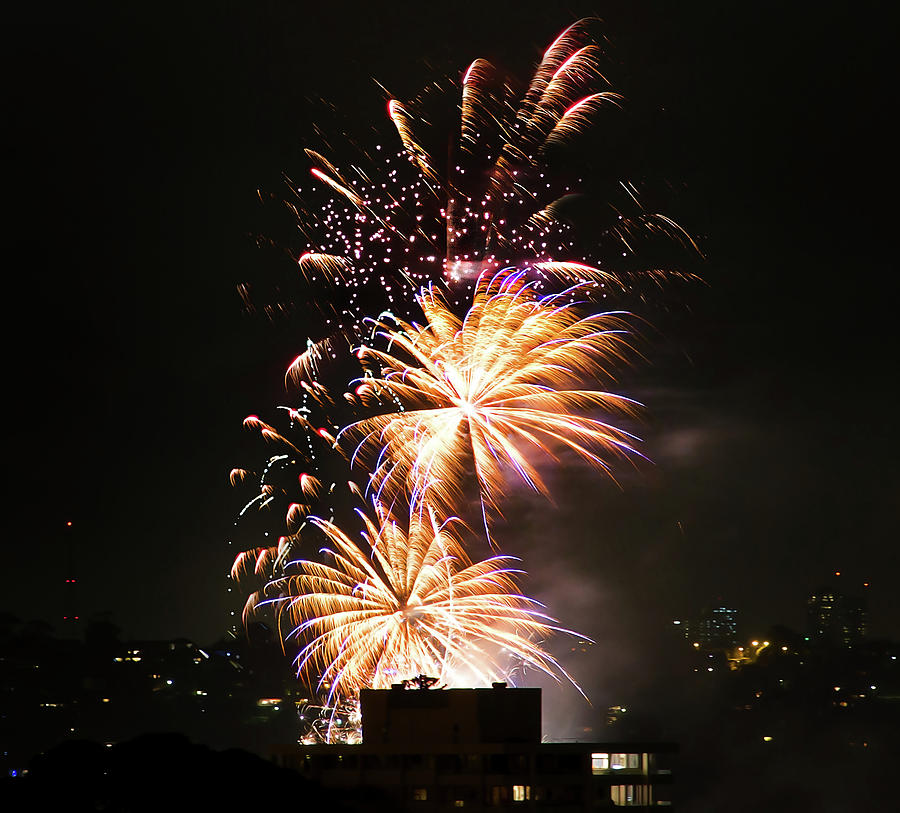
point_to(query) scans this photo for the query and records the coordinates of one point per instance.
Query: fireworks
(503, 371)
(376, 225)
(488, 388)
(408, 603)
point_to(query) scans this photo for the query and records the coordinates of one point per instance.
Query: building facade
(477, 749)
(835, 619)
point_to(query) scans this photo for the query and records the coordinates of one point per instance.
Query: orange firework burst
(488, 388)
(407, 603)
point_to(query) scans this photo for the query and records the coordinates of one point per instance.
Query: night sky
(137, 140)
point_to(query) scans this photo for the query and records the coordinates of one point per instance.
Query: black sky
(137, 139)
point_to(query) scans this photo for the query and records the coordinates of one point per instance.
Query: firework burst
(486, 390)
(379, 224)
(406, 603)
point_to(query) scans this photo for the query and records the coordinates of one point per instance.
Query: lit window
(622, 794)
(420, 794)
(521, 793)
(459, 803)
(599, 762)
(634, 761)
(618, 761)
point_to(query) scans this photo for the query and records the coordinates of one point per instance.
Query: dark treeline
(156, 772)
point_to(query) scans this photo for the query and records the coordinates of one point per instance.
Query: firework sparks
(388, 221)
(487, 388)
(407, 603)
(337, 723)
(282, 489)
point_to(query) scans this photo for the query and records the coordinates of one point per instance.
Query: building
(717, 628)
(714, 628)
(477, 749)
(835, 619)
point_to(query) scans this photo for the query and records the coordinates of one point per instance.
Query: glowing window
(622, 794)
(521, 793)
(599, 762)
(420, 794)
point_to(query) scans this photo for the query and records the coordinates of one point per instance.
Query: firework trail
(302, 476)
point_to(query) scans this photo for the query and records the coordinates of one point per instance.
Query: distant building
(714, 628)
(717, 628)
(475, 749)
(835, 619)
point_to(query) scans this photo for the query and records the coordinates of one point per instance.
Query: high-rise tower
(835, 618)
(71, 607)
